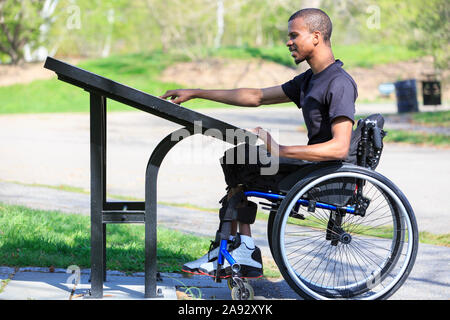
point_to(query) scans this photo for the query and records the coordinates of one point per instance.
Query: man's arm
(335, 149)
(244, 97)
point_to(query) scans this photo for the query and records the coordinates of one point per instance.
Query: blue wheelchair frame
(223, 252)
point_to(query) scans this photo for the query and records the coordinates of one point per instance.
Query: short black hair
(316, 20)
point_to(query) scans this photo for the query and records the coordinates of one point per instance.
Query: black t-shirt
(323, 97)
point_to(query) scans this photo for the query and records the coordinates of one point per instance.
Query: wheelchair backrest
(365, 150)
(367, 142)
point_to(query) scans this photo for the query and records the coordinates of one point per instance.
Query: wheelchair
(338, 230)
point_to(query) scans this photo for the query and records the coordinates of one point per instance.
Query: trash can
(431, 91)
(406, 93)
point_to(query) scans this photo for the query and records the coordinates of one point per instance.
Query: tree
(434, 31)
(19, 25)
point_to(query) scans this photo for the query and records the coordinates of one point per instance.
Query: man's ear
(316, 37)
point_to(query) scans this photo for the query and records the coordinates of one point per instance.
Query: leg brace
(229, 213)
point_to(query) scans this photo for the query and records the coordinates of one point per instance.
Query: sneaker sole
(226, 273)
(192, 271)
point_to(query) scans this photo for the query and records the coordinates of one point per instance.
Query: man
(325, 93)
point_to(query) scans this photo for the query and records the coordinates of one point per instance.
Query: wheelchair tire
(270, 221)
(366, 256)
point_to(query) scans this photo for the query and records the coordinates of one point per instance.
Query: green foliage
(88, 27)
(19, 24)
(97, 28)
(100, 28)
(433, 24)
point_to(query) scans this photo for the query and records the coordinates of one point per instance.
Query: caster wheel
(231, 283)
(246, 293)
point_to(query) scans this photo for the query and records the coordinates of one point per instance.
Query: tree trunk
(220, 24)
(15, 57)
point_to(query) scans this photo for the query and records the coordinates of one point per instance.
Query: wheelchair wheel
(337, 253)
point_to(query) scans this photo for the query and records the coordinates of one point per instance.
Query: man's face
(300, 41)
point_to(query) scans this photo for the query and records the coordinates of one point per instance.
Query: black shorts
(255, 169)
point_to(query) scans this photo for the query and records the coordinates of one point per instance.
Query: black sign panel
(431, 92)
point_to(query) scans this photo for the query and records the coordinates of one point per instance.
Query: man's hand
(179, 95)
(271, 145)
(335, 149)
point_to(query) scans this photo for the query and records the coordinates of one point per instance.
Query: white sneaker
(192, 267)
(249, 259)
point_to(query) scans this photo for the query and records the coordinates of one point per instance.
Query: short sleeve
(341, 97)
(292, 89)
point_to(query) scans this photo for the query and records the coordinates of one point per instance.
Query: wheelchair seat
(289, 181)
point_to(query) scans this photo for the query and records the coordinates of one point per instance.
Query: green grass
(141, 71)
(435, 239)
(418, 138)
(435, 119)
(30, 237)
(369, 55)
(40, 238)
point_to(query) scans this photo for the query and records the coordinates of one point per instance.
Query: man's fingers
(170, 93)
(255, 130)
(165, 96)
(176, 96)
